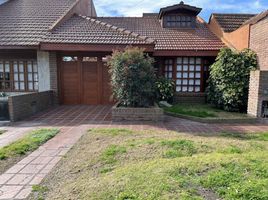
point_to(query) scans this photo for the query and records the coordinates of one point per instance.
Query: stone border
(214, 121)
(137, 114)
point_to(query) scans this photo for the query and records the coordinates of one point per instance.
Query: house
(258, 87)
(230, 29)
(240, 31)
(61, 45)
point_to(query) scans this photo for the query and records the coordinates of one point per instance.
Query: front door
(84, 80)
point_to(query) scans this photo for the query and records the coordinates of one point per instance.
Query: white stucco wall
(43, 71)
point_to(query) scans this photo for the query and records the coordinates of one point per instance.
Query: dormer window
(179, 16)
(178, 21)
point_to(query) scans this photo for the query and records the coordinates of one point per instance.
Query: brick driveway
(74, 121)
(66, 116)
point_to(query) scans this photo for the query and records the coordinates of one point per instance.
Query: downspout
(249, 34)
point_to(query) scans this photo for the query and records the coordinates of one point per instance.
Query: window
(90, 59)
(168, 68)
(18, 75)
(178, 21)
(32, 75)
(5, 78)
(188, 74)
(69, 58)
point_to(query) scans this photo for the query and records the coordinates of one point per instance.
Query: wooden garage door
(89, 83)
(70, 82)
(85, 80)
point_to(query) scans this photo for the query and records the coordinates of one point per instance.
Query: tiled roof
(180, 6)
(231, 22)
(24, 22)
(257, 18)
(200, 38)
(85, 30)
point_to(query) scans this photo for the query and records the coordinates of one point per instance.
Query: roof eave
(35, 47)
(196, 10)
(91, 47)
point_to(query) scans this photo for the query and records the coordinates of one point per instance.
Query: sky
(135, 8)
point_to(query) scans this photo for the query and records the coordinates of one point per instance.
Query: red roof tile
(85, 30)
(231, 22)
(199, 38)
(257, 18)
(24, 22)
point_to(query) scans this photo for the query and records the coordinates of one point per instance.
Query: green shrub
(132, 77)
(229, 79)
(165, 89)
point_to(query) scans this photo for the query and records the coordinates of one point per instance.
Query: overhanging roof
(180, 6)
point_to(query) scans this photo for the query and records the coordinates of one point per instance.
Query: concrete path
(73, 122)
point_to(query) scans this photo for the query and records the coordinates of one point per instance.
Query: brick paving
(74, 121)
(12, 134)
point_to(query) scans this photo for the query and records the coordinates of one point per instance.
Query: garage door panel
(70, 83)
(90, 83)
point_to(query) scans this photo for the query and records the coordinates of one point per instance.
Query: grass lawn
(15, 151)
(147, 165)
(203, 111)
(2, 132)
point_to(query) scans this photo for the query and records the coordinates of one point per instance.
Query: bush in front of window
(132, 77)
(165, 89)
(229, 79)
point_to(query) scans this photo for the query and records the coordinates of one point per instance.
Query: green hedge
(229, 79)
(132, 77)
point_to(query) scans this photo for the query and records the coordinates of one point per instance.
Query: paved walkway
(74, 121)
(12, 134)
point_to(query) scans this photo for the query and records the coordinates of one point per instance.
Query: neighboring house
(230, 28)
(258, 92)
(241, 31)
(61, 45)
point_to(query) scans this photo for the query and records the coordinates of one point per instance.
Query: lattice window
(168, 68)
(188, 74)
(18, 75)
(32, 75)
(5, 75)
(178, 21)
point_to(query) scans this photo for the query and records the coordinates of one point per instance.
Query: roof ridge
(122, 30)
(256, 18)
(233, 14)
(68, 13)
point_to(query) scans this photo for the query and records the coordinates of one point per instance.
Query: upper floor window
(178, 21)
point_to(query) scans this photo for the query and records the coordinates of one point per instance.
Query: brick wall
(258, 92)
(253, 96)
(25, 105)
(259, 42)
(258, 87)
(190, 98)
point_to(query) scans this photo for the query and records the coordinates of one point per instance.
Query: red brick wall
(259, 42)
(190, 98)
(258, 87)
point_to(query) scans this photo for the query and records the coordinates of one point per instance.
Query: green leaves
(132, 77)
(165, 89)
(229, 79)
